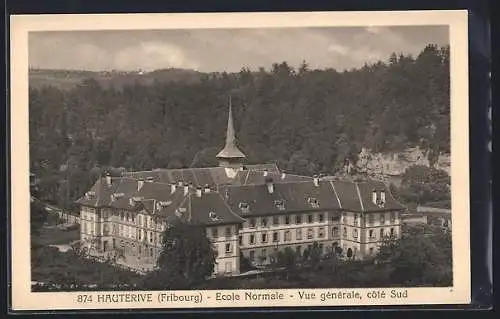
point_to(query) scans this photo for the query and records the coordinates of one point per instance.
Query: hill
(309, 121)
(69, 79)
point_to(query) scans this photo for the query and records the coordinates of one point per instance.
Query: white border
(24, 299)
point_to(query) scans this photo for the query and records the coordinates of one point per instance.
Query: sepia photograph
(310, 158)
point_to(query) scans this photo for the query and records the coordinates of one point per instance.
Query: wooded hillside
(309, 121)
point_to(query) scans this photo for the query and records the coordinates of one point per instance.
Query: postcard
(239, 160)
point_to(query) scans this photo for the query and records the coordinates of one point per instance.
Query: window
(240, 240)
(287, 220)
(128, 217)
(392, 232)
(321, 232)
(321, 248)
(252, 239)
(275, 236)
(299, 234)
(382, 233)
(264, 238)
(287, 236)
(151, 237)
(140, 249)
(228, 248)
(335, 218)
(320, 218)
(264, 253)
(309, 218)
(228, 232)
(370, 234)
(263, 222)
(393, 217)
(310, 233)
(313, 202)
(335, 232)
(298, 249)
(151, 252)
(356, 219)
(229, 267)
(370, 219)
(245, 208)
(382, 219)
(140, 220)
(252, 222)
(355, 233)
(122, 216)
(298, 219)
(279, 204)
(216, 250)
(371, 251)
(251, 255)
(276, 220)
(345, 232)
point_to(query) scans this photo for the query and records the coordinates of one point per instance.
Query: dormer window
(164, 204)
(313, 202)
(178, 213)
(213, 217)
(245, 208)
(279, 204)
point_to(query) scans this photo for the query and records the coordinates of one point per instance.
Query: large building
(249, 210)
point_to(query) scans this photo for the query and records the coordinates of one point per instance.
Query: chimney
(265, 172)
(207, 188)
(198, 191)
(283, 175)
(374, 196)
(172, 188)
(316, 180)
(186, 189)
(382, 196)
(140, 183)
(270, 185)
(108, 179)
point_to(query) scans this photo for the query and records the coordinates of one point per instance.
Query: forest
(306, 120)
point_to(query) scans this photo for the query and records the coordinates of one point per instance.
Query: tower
(230, 156)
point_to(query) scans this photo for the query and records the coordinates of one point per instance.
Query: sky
(217, 50)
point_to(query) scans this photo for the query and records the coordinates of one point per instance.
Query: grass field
(56, 236)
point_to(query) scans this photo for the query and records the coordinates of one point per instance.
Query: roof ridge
(229, 207)
(336, 195)
(359, 196)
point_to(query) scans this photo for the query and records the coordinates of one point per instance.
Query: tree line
(309, 121)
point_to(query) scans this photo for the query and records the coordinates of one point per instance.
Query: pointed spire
(230, 136)
(230, 149)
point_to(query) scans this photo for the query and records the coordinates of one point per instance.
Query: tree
(187, 258)
(38, 216)
(315, 255)
(287, 259)
(422, 184)
(422, 256)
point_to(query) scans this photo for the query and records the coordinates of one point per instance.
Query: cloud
(228, 49)
(153, 55)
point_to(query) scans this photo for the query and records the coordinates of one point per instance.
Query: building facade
(247, 210)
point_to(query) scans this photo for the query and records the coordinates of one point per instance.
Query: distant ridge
(68, 79)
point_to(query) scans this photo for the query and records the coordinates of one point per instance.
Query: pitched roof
(258, 177)
(299, 196)
(212, 176)
(210, 209)
(365, 190)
